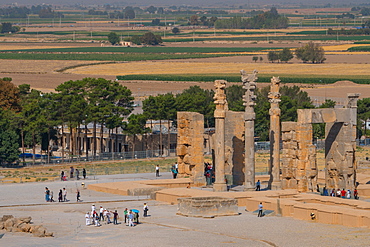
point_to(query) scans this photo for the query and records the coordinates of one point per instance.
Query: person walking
(60, 196)
(62, 175)
(157, 171)
(84, 173)
(145, 209)
(71, 172)
(343, 193)
(78, 196)
(107, 216)
(47, 194)
(88, 218)
(101, 213)
(131, 219)
(77, 174)
(258, 186)
(64, 195)
(260, 210)
(115, 217)
(125, 213)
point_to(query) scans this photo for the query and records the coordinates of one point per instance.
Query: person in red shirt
(343, 193)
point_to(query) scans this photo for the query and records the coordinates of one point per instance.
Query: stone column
(220, 114)
(274, 135)
(249, 84)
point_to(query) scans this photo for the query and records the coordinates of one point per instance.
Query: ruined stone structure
(190, 146)
(299, 168)
(220, 115)
(299, 154)
(11, 224)
(207, 207)
(249, 84)
(274, 135)
(234, 148)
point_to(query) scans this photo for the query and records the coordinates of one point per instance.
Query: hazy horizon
(185, 2)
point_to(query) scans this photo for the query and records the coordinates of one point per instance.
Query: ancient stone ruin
(233, 143)
(249, 84)
(207, 207)
(299, 168)
(190, 146)
(12, 224)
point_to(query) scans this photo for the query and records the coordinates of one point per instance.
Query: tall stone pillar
(249, 84)
(220, 114)
(274, 135)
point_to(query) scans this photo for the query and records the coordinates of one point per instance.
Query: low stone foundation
(207, 207)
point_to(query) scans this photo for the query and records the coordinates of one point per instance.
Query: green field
(236, 78)
(152, 49)
(105, 57)
(359, 48)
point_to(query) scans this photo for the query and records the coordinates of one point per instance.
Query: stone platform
(289, 203)
(207, 207)
(139, 187)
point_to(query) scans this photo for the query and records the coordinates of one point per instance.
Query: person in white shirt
(88, 219)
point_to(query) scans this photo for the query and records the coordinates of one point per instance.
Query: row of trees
(44, 11)
(269, 19)
(310, 52)
(147, 38)
(29, 117)
(35, 116)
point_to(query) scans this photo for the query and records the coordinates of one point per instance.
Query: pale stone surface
(23, 224)
(219, 146)
(299, 168)
(190, 146)
(207, 207)
(234, 148)
(249, 98)
(299, 155)
(274, 135)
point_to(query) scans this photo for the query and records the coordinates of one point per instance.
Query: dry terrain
(42, 75)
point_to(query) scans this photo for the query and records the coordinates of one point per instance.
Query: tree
(285, 55)
(175, 30)
(9, 146)
(34, 118)
(234, 96)
(150, 39)
(255, 58)
(113, 38)
(272, 56)
(156, 22)
(9, 95)
(196, 99)
(129, 13)
(194, 20)
(6, 27)
(311, 52)
(136, 126)
(151, 9)
(160, 11)
(363, 114)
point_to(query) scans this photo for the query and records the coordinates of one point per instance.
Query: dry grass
(178, 67)
(343, 47)
(35, 66)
